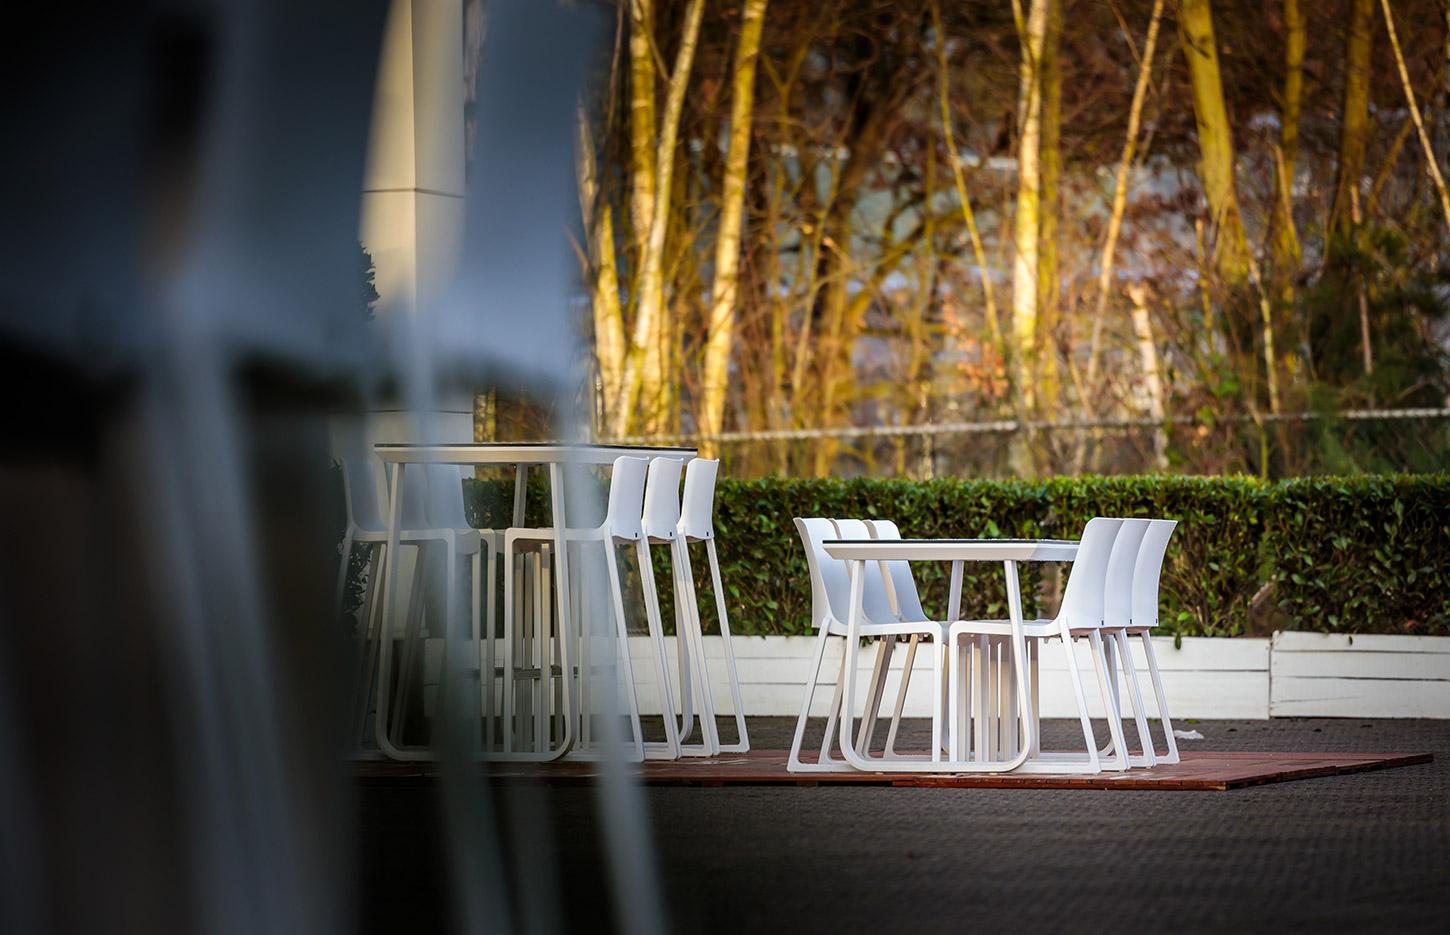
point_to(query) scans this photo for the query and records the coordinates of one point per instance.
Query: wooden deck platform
(1201, 771)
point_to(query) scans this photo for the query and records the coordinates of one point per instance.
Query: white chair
(830, 608)
(662, 527)
(455, 539)
(905, 602)
(1081, 615)
(1147, 570)
(1117, 616)
(889, 585)
(697, 524)
(622, 525)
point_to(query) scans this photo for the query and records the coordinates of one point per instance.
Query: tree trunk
(979, 252)
(1027, 217)
(724, 288)
(641, 124)
(604, 273)
(1115, 216)
(645, 367)
(1354, 119)
(1431, 164)
(1152, 377)
(1286, 238)
(1215, 140)
(1049, 287)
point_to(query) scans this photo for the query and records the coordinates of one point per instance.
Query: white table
(521, 457)
(858, 552)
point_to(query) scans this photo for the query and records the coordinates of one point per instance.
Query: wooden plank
(1392, 666)
(1198, 771)
(1352, 697)
(1298, 641)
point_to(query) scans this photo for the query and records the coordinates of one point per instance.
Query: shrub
(1364, 554)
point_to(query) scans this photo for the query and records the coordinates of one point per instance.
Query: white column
(412, 199)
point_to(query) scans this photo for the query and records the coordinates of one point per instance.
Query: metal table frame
(520, 456)
(858, 552)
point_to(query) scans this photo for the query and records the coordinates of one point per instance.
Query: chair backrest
(360, 490)
(874, 599)
(623, 517)
(1118, 583)
(1082, 601)
(697, 507)
(1148, 569)
(830, 584)
(828, 576)
(903, 582)
(445, 496)
(662, 498)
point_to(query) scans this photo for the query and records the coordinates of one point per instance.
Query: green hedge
(1363, 555)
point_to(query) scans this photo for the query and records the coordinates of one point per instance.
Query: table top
(520, 453)
(944, 550)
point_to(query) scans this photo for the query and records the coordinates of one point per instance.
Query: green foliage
(1390, 573)
(1364, 554)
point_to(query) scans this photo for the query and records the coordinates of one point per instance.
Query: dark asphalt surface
(1365, 852)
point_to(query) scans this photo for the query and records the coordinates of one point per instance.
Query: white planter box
(1291, 675)
(1206, 678)
(1316, 674)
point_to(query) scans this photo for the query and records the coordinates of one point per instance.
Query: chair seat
(526, 538)
(936, 628)
(1039, 629)
(466, 541)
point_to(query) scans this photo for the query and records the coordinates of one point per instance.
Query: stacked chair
(529, 696)
(645, 510)
(432, 521)
(1111, 596)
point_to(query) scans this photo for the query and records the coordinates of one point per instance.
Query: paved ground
(1360, 852)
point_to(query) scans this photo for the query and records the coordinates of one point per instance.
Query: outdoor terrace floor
(1361, 851)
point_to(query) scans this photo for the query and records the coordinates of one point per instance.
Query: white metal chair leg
(955, 692)
(512, 620)
(368, 647)
(1163, 719)
(1115, 720)
(833, 716)
(794, 763)
(742, 743)
(342, 572)
(874, 692)
(1035, 693)
(691, 642)
(682, 661)
(1135, 697)
(906, 669)
(626, 665)
(479, 715)
(544, 635)
(488, 657)
(981, 664)
(407, 662)
(671, 747)
(1080, 697)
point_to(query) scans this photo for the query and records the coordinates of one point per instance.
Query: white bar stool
(697, 524)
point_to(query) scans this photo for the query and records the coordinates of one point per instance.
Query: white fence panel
(1330, 675)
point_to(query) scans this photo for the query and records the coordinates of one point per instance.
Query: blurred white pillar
(412, 201)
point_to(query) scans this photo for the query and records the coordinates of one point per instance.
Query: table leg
(1019, 659)
(954, 596)
(391, 610)
(857, 569)
(521, 492)
(561, 584)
